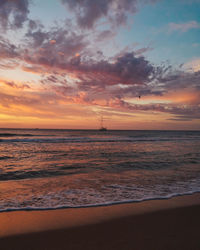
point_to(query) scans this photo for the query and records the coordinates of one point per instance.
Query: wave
(20, 175)
(13, 135)
(111, 203)
(88, 139)
(5, 157)
(22, 135)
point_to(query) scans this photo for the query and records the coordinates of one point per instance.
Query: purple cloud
(180, 112)
(38, 37)
(13, 13)
(126, 69)
(112, 83)
(181, 80)
(97, 77)
(7, 50)
(104, 35)
(88, 12)
(53, 47)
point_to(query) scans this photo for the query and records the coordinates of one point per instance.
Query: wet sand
(153, 225)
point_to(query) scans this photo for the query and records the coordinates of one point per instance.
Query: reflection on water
(55, 168)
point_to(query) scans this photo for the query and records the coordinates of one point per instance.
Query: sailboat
(102, 128)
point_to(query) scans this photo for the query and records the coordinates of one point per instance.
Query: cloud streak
(183, 27)
(14, 85)
(7, 50)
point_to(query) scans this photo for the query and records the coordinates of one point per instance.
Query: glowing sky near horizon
(66, 63)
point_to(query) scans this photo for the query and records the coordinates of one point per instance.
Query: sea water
(47, 169)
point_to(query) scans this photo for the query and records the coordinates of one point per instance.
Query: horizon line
(97, 129)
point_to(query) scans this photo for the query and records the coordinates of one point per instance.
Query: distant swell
(28, 175)
(5, 157)
(92, 140)
(13, 135)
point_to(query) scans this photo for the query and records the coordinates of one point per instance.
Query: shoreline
(30, 209)
(153, 224)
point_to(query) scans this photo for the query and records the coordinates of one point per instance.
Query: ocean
(48, 169)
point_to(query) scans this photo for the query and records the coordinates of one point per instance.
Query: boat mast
(101, 121)
(102, 128)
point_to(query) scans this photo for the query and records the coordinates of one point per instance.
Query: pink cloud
(183, 27)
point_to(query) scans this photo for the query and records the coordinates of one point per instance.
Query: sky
(66, 63)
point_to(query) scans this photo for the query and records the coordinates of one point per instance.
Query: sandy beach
(156, 224)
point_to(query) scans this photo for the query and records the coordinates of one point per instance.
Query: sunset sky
(66, 63)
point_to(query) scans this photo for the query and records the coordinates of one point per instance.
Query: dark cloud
(131, 69)
(13, 13)
(7, 49)
(88, 12)
(111, 84)
(38, 37)
(179, 111)
(94, 82)
(9, 53)
(127, 69)
(180, 80)
(12, 84)
(53, 48)
(133, 91)
(33, 25)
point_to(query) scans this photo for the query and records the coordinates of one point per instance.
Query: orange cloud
(193, 65)
(52, 41)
